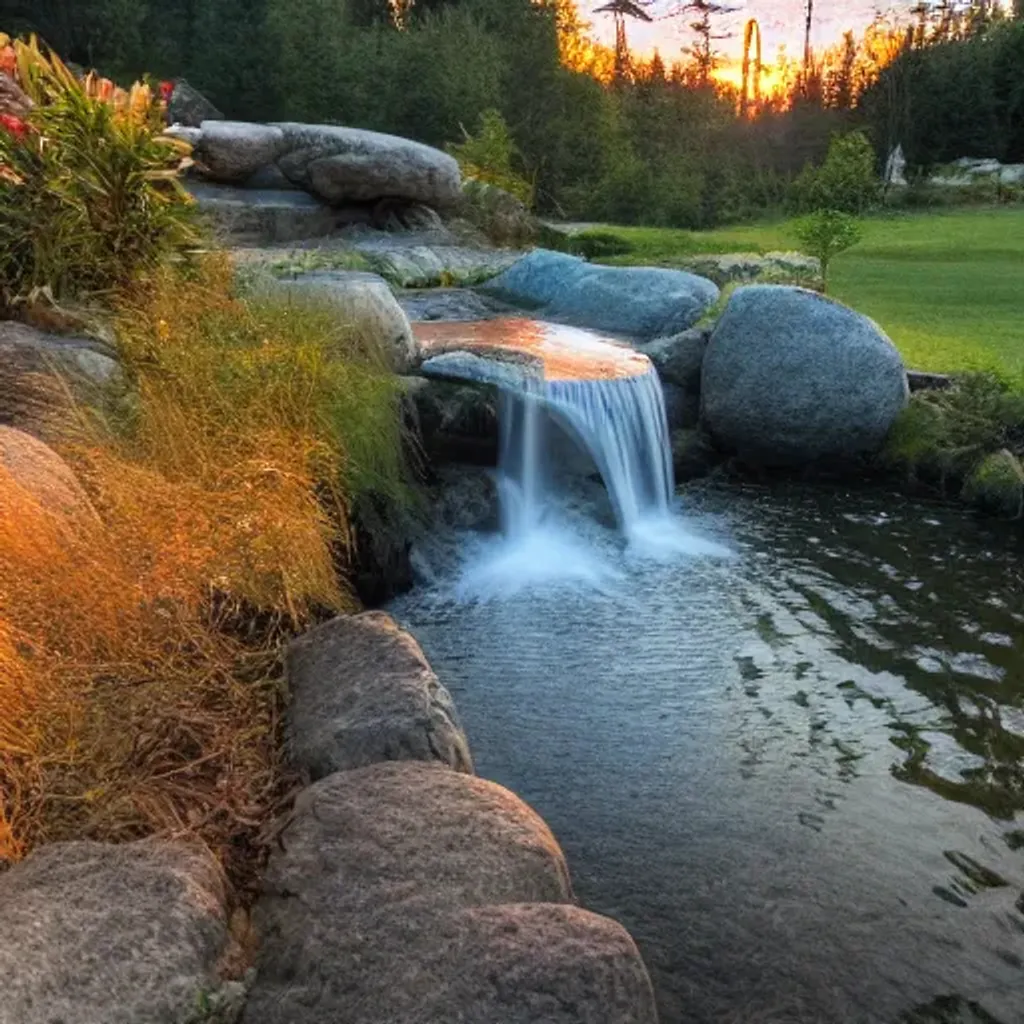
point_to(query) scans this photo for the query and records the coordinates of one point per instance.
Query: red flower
(166, 91)
(14, 126)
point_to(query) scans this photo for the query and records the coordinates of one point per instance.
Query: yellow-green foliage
(997, 484)
(140, 680)
(489, 157)
(944, 435)
(89, 189)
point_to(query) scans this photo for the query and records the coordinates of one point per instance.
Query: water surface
(795, 773)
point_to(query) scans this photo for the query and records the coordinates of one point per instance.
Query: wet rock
(362, 692)
(231, 151)
(465, 498)
(791, 377)
(342, 165)
(43, 376)
(679, 358)
(693, 455)
(918, 380)
(477, 369)
(38, 470)
(997, 485)
(513, 964)
(457, 422)
(189, 107)
(363, 301)
(682, 408)
(98, 934)
(640, 303)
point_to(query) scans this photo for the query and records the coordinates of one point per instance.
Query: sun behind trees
(603, 132)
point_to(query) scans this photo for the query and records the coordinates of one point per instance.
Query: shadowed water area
(794, 773)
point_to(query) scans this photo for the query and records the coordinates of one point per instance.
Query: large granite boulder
(231, 151)
(362, 692)
(43, 376)
(508, 964)
(343, 165)
(791, 377)
(263, 215)
(41, 473)
(409, 892)
(404, 833)
(639, 303)
(363, 301)
(98, 934)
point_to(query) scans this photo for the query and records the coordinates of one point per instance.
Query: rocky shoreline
(399, 886)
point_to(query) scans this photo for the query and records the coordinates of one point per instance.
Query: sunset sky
(782, 22)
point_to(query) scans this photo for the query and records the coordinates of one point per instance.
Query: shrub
(824, 235)
(846, 181)
(596, 244)
(140, 683)
(489, 155)
(89, 189)
(943, 435)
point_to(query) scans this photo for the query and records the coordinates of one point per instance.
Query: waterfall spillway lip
(601, 394)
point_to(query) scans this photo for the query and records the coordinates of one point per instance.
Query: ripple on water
(784, 770)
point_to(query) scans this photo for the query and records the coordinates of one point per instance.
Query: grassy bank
(947, 287)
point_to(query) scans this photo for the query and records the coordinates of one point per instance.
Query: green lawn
(948, 287)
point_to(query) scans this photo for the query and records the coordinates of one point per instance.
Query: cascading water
(621, 423)
(607, 398)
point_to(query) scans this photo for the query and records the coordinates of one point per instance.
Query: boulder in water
(362, 692)
(791, 377)
(639, 303)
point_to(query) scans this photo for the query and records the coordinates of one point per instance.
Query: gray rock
(404, 834)
(189, 107)
(693, 455)
(468, 366)
(97, 934)
(43, 376)
(263, 215)
(465, 498)
(43, 474)
(342, 165)
(459, 304)
(502, 217)
(679, 358)
(682, 408)
(457, 422)
(920, 380)
(791, 377)
(640, 303)
(510, 964)
(415, 261)
(365, 302)
(362, 692)
(231, 151)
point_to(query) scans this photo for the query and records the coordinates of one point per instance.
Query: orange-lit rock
(562, 352)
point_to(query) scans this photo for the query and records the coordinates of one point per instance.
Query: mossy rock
(997, 485)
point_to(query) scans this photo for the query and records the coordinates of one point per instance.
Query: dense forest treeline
(655, 142)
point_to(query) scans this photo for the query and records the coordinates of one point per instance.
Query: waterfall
(621, 423)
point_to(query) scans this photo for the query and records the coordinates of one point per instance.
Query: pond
(794, 773)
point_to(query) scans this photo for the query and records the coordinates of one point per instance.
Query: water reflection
(794, 774)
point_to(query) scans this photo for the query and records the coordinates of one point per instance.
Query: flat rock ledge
(100, 934)
(362, 692)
